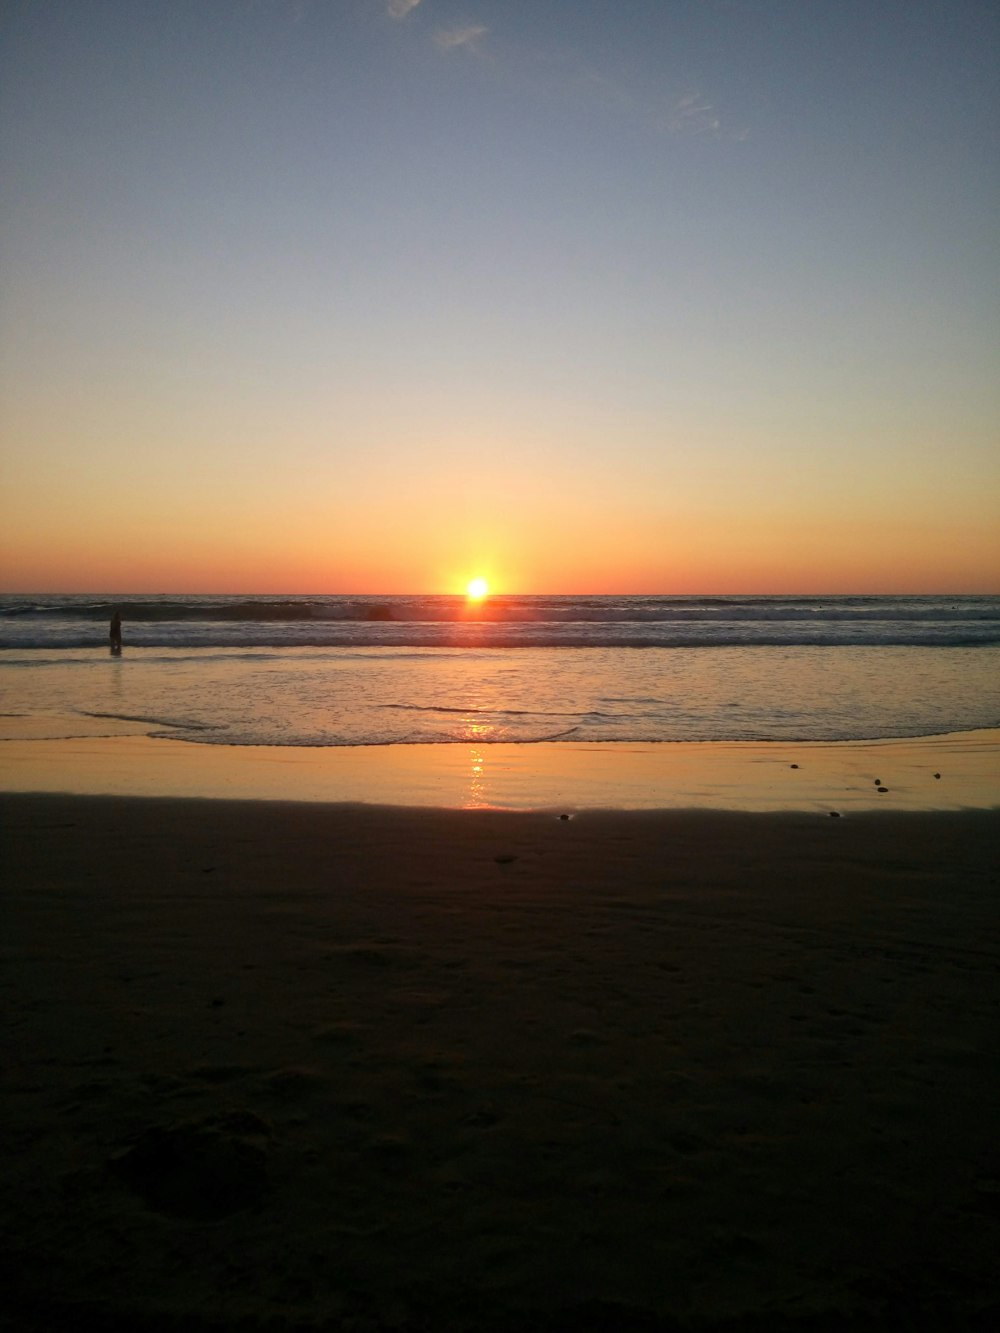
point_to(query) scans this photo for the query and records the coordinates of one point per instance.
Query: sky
(651, 296)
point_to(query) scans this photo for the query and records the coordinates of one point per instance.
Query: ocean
(324, 671)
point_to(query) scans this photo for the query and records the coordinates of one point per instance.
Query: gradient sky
(580, 295)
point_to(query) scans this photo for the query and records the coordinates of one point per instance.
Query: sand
(304, 1066)
(957, 771)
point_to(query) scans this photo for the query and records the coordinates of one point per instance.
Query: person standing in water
(116, 633)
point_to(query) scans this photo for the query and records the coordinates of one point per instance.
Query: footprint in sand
(200, 1169)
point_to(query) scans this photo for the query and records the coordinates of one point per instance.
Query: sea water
(321, 671)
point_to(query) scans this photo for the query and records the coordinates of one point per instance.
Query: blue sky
(356, 295)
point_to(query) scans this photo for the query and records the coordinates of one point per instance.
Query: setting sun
(477, 589)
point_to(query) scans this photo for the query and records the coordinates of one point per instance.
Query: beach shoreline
(278, 1064)
(955, 771)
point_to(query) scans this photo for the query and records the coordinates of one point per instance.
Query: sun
(477, 589)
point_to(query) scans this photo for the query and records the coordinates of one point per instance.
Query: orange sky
(567, 550)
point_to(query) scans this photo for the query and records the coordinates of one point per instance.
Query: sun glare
(477, 589)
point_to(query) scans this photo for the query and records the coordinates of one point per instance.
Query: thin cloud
(398, 9)
(678, 112)
(691, 114)
(449, 39)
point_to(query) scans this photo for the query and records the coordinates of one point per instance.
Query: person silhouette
(116, 633)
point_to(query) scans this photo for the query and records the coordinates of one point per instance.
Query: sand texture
(304, 1067)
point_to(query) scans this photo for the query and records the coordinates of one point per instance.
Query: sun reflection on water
(476, 798)
(481, 732)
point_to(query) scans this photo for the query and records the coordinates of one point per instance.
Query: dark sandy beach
(331, 1067)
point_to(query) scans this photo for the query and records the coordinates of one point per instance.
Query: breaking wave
(74, 622)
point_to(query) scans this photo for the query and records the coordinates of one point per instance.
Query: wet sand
(305, 1066)
(957, 771)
